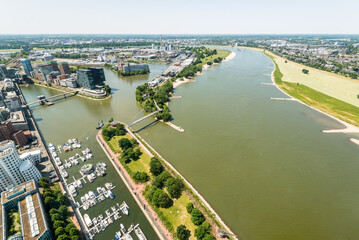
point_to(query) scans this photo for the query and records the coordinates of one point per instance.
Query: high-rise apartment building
(26, 66)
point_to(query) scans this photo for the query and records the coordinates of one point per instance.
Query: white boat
(104, 164)
(93, 175)
(79, 183)
(87, 220)
(72, 190)
(91, 194)
(110, 194)
(70, 141)
(99, 190)
(94, 221)
(125, 210)
(54, 154)
(83, 199)
(140, 235)
(87, 196)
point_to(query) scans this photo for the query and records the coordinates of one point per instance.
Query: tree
(209, 63)
(161, 199)
(53, 211)
(49, 201)
(58, 224)
(174, 187)
(62, 199)
(209, 237)
(76, 237)
(63, 210)
(202, 230)
(183, 233)
(124, 143)
(197, 217)
(305, 71)
(63, 237)
(107, 89)
(69, 227)
(59, 231)
(56, 217)
(156, 167)
(110, 120)
(161, 179)
(189, 207)
(74, 232)
(44, 182)
(140, 177)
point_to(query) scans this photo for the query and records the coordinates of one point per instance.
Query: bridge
(45, 100)
(134, 121)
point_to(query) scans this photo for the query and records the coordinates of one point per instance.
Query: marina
(79, 169)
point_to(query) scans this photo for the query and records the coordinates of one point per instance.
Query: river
(263, 165)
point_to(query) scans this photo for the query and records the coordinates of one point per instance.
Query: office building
(131, 67)
(55, 66)
(85, 79)
(45, 70)
(26, 66)
(98, 75)
(25, 198)
(16, 169)
(12, 101)
(3, 72)
(64, 68)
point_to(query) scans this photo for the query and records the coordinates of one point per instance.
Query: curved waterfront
(276, 175)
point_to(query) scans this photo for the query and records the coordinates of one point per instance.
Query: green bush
(197, 217)
(140, 177)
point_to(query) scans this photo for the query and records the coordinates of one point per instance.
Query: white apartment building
(16, 169)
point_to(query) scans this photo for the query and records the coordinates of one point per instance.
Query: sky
(179, 17)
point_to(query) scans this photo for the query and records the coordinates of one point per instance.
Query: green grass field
(220, 53)
(331, 84)
(10, 50)
(333, 106)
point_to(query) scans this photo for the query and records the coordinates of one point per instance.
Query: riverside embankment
(264, 165)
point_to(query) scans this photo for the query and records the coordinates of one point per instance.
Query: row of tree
(69, 56)
(56, 204)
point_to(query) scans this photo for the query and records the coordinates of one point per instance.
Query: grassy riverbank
(333, 106)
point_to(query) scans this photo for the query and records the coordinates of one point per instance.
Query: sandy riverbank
(230, 56)
(181, 81)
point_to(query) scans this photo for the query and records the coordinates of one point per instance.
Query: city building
(12, 101)
(25, 198)
(85, 79)
(132, 67)
(3, 72)
(26, 66)
(8, 132)
(45, 70)
(98, 75)
(12, 72)
(64, 68)
(48, 58)
(55, 66)
(16, 169)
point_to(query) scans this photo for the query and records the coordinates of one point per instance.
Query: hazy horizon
(229, 17)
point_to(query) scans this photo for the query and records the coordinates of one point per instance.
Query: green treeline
(69, 56)
(146, 97)
(57, 206)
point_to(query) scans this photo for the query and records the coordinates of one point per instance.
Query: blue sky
(179, 17)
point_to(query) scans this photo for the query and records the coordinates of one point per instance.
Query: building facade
(26, 66)
(85, 79)
(98, 75)
(16, 169)
(64, 68)
(45, 70)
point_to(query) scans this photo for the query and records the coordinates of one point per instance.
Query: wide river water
(263, 165)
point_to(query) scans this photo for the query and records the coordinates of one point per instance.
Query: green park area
(165, 192)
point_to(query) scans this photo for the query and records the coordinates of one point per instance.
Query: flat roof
(26, 226)
(12, 193)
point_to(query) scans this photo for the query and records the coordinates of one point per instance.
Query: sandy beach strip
(230, 56)
(181, 81)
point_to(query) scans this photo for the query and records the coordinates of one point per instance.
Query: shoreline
(348, 128)
(79, 94)
(230, 57)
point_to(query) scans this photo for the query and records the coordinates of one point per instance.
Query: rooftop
(17, 191)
